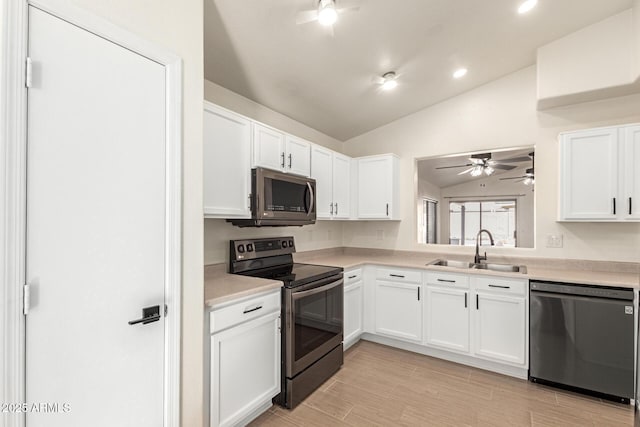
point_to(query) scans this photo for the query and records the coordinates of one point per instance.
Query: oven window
(285, 196)
(318, 319)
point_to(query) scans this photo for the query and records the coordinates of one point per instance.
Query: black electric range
(312, 312)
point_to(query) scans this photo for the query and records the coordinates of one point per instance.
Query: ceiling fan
(482, 163)
(529, 177)
(326, 13)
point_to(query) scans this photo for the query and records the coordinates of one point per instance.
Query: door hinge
(28, 73)
(166, 310)
(26, 299)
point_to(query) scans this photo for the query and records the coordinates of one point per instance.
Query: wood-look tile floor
(384, 386)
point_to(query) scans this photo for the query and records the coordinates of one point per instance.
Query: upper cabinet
(332, 172)
(227, 163)
(599, 174)
(275, 150)
(378, 190)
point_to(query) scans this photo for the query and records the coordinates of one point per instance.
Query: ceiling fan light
(327, 13)
(489, 170)
(527, 6)
(460, 73)
(529, 181)
(389, 81)
(477, 170)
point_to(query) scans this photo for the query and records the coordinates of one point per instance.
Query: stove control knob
(241, 248)
(290, 243)
(249, 247)
(284, 243)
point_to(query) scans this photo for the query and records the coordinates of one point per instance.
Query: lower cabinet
(500, 327)
(447, 318)
(398, 310)
(244, 359)
(353, 313)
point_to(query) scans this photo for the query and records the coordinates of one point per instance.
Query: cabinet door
(298, 156)
(447, 318)
(589, 175)
(631, 204)
(353, 299)
(374, 187)
(398, 310)
(500, 327)
(322, 172)
(227, 164)
(341, 186)
(268, 148)
(245, 369)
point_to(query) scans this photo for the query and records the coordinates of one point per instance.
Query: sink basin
(452, 263)
(507, 268)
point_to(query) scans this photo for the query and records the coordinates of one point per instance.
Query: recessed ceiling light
(327, 13)
(389, 80)
(527, 6)
(459, 73)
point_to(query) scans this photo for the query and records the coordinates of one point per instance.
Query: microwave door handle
(311, 199)
(302, 294)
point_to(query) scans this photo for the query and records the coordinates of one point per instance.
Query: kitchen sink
(505, 268)
(451, 263)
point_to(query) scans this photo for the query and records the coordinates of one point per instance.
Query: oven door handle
(311, 197)
(303, 294)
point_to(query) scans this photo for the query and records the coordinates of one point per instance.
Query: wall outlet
(554, 240)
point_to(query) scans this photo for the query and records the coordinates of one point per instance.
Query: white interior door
(96, 203)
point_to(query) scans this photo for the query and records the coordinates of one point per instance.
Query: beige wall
(500, 114)
(217, 232)
(177, 26)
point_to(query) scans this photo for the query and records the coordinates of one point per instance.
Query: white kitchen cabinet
(632, 173)
(447, 318)
(398, 305)
(500, 319)
(227, 163)
(275, 150)
(242, 384)
(332, 173)
(353, 307)
(298, 156)
(378, 187)
(599, 176)
(268, 147)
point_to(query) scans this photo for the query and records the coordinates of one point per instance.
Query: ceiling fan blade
(348, 9)
(306, 16)
(466, 171)
(512, 177)
(515, 159)
(503, 167)
(457, 166)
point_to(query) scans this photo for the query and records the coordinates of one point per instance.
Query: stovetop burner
(295, 274)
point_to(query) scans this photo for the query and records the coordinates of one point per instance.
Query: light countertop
(221, 287)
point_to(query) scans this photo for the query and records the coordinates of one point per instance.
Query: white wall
(217, 232)
(501, 114)
(177, 26)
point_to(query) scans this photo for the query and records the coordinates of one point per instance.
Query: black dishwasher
(582, 338)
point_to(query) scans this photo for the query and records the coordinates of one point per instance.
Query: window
(428, 222)
(497, 216)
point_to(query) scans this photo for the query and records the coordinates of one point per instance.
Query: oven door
(283, 196)
(314, 320)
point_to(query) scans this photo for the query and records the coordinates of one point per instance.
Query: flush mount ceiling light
(327, 13)
(459, 73)
(527, 6)
(389, 80)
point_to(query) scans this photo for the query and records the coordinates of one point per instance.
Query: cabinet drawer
(502, 285)
(395, 275)
(448, 280)
(352, 276)
(242, 311)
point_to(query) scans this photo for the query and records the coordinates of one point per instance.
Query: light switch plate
(554, 240)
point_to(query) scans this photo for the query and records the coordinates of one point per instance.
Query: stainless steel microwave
(280, 199)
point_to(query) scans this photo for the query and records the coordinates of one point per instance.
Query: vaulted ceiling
(326, 81)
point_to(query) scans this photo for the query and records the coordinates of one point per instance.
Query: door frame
(13, 139)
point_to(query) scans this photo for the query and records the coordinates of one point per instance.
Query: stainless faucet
(479, 258)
